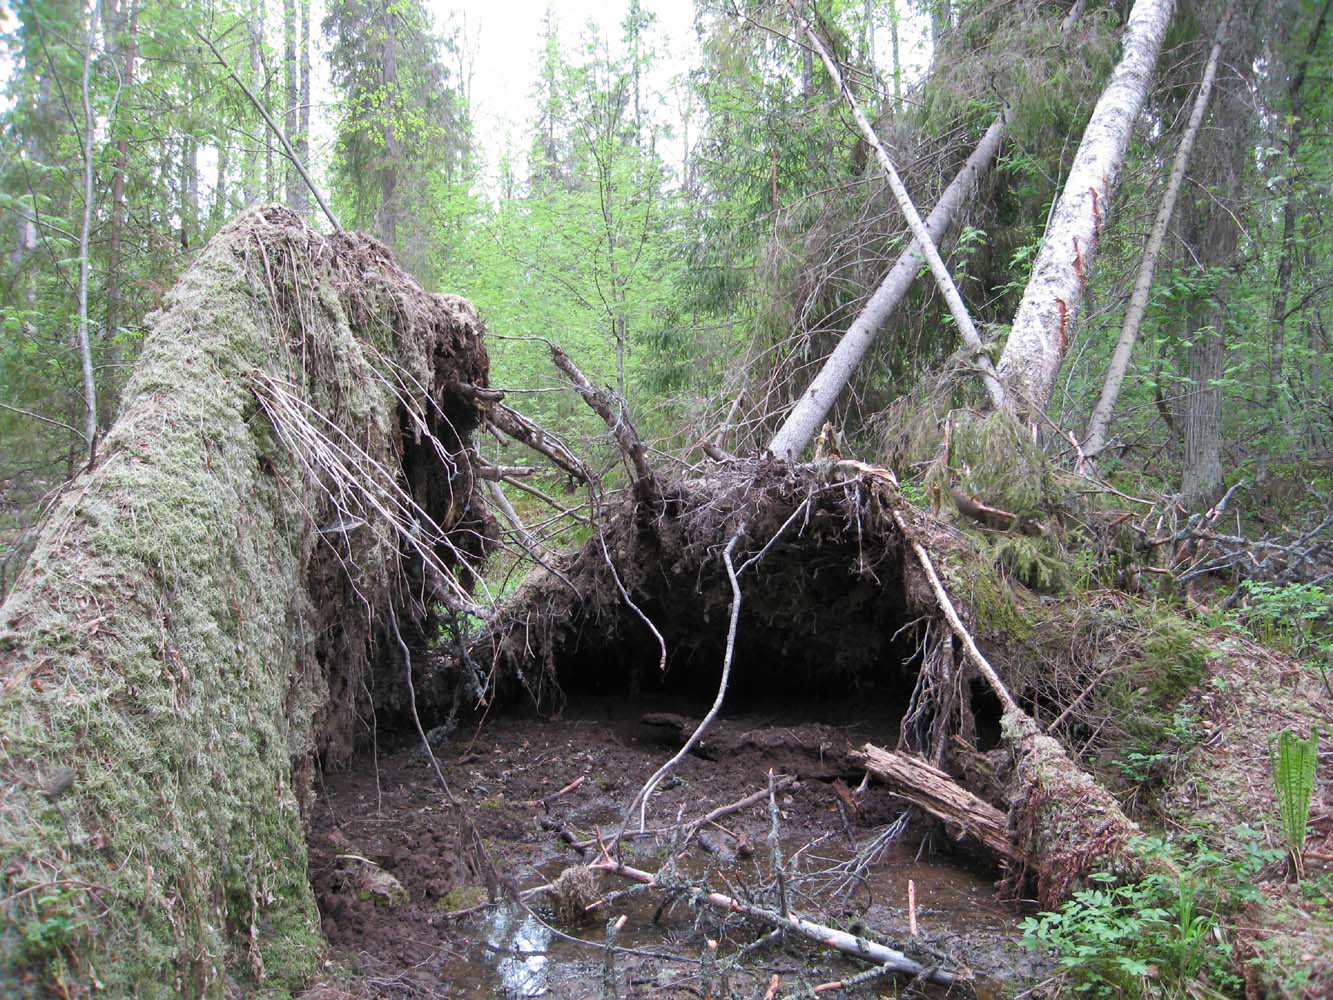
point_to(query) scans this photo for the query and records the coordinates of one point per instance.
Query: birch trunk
(1100, 421)
(1041, 329)
(813, 406)
(85, 348)
(922, 236)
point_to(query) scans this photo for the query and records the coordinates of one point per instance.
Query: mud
(387, 816)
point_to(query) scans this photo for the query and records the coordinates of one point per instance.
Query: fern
(1293, 781)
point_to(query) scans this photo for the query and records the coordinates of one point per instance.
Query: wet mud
(403, 899)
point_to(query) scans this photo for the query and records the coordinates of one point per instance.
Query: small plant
(1151, 937)
(1294, 763)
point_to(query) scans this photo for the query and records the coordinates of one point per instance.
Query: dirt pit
(401, 899)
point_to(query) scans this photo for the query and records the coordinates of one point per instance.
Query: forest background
(696, 223)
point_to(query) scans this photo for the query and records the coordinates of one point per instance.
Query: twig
(848, 944)
(641, 799)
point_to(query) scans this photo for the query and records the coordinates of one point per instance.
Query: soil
(404, 904)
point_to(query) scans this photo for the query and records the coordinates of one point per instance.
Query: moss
(997, 609)
(172, 638)
(1152, 697)
(461, 897)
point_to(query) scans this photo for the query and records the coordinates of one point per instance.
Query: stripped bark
(929, 788)
(1043, 325)
(814, 405)
(948, 289)
(1100, 421)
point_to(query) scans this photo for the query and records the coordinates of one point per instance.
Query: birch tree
(815, 403)
(1042, 326)
(1100, 421)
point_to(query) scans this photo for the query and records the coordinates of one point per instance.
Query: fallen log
(929, 788)
(204, 612)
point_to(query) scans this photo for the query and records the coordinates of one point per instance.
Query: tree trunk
(1100, 420)
(1044, 322)
(186, 637)
(1278, 321)
(957, 309)
(85, 346)
(816, 402)
(117, 233)
(291, 96)
(301, 197)
(387, 220)
(1202, 461)
(252, 166)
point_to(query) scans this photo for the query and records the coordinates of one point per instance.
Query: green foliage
(1149, 938)
(1294, 764)
(1298, 616)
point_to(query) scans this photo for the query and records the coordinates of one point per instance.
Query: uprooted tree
(286, 492)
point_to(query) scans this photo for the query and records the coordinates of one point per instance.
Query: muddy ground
(388, 815)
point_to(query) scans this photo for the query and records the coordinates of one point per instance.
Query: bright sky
(503, 42)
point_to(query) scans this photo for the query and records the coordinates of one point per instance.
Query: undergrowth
(1162, 936)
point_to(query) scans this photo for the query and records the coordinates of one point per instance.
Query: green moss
(165, 641)
(461, 897)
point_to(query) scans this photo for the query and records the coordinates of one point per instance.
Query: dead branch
(522, 429)
(615, 413)
(929, 788)
(842, 941)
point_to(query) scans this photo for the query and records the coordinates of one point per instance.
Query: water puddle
(519, 954)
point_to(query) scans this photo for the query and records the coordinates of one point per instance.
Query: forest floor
(388, 814)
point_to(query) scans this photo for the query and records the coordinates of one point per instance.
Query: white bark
(814, 405)
(85, 349)
(1100, 420)
(942, 277)
(1045, 319)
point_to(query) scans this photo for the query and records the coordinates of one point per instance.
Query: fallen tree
(221, 599)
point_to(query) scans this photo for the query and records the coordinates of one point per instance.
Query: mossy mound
(201, 615)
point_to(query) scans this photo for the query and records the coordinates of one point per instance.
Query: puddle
(519, 941)
(519, 955)
(397, 818)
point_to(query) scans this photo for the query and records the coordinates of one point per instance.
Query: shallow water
(519, 953)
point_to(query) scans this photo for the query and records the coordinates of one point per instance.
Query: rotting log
(926, 786)
(204, 612)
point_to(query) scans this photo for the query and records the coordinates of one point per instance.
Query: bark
(1044, 322)
(301, 198)
(929, 788)
(919, 232)
(386, 222)
(252, 171)
(1100, 421)
(1202, 473)
(291, 96)
(117, 226)
(1278, 320)
(816, 402)
(85, 347)
(186, 635)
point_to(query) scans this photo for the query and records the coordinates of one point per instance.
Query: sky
(503, 41)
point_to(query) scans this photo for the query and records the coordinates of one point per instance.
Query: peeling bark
(1043, 325)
